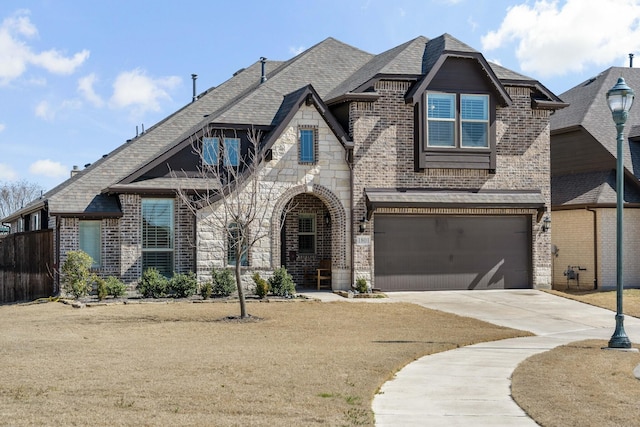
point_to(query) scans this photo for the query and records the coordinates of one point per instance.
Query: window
(307, 148)
(474, 121)
(91, 241)
(232, 244)
(34, 221)
(157, 235)
(210, 150)
(443, 119)
(307, 234)
(231, 152)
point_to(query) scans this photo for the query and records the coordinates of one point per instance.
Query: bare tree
(230, 196)
(16, 195)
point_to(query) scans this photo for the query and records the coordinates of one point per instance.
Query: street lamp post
(619, 98)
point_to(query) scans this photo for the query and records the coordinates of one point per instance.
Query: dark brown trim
(415, 93)
(582, 206)
(543, 104)
(375, 79)
(87, 215)
(351, 96)
(310, 96)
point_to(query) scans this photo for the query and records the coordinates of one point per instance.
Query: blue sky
(77, 77)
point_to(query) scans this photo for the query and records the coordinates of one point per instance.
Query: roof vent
(194, 77)
(631, 60)
(263, 77)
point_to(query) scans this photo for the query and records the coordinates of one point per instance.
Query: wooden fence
(26, 266)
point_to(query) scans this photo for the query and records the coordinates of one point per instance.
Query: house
(583, 170)
(422, 167)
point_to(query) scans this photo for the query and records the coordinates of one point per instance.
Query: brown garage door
(451, 252)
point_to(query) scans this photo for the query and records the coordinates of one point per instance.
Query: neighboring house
(423, 167)
(583, 169)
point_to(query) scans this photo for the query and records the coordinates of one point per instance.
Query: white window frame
(458, 121)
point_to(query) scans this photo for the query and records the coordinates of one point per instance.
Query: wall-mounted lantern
(363, 224)
(546, 224)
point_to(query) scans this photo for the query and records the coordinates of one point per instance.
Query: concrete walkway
(471, 386)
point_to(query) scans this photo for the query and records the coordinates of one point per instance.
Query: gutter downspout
(56, 259)
(349, 155)
(595, 247)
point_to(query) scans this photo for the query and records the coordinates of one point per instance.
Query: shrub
(76, 275)
(262, 286)
(206, 289)
(361, 285)
(183, 285)
(101, 286)
(224, 282)
(152, 284)
(281, 283)
(115, 287)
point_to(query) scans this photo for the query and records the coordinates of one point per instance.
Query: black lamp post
(619, 98)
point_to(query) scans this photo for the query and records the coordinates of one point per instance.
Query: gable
(461, 74)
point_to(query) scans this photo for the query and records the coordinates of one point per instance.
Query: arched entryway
(310, 229)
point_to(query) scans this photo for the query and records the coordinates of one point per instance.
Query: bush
(262, 286)
(115, 287)
(101, 286)
(152, 284)
(361, 285)
(183, 285)
(206, 289)
(224, 282)
(281, 283)
(77, 278)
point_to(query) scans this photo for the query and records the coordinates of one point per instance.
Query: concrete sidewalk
(471, 386)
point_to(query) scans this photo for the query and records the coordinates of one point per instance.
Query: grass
(581, 384)
(298, 363)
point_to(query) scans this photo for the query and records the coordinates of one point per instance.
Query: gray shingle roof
(593, 188)
(331, 67)
(589, 109)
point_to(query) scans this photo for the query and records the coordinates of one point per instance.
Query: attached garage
(452, 252)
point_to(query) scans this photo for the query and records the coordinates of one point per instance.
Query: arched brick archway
(338, 224)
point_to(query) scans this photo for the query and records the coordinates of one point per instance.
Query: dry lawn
(580, 384)
(607, 299)
(305, 363)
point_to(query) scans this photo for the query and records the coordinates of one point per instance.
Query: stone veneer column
(130, 238)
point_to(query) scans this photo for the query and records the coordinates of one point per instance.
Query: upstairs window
(307, 146)
(210, 151)
(232, 152)
(457, 120)
(474, 121)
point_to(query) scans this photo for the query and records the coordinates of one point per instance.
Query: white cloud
(48, 112)
(49, 169)
(7, 173)
(85, 87)
(55, 62)
(296, 50)
(555, 38)
(16, 55)
(2, 127)
(140, 92)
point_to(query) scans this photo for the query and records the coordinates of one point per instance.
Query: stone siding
(282, 179)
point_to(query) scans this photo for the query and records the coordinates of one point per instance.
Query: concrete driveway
(471, 386)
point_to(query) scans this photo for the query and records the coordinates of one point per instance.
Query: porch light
(363, 224)
(327, 218)
(546, 224)
(620, 99)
